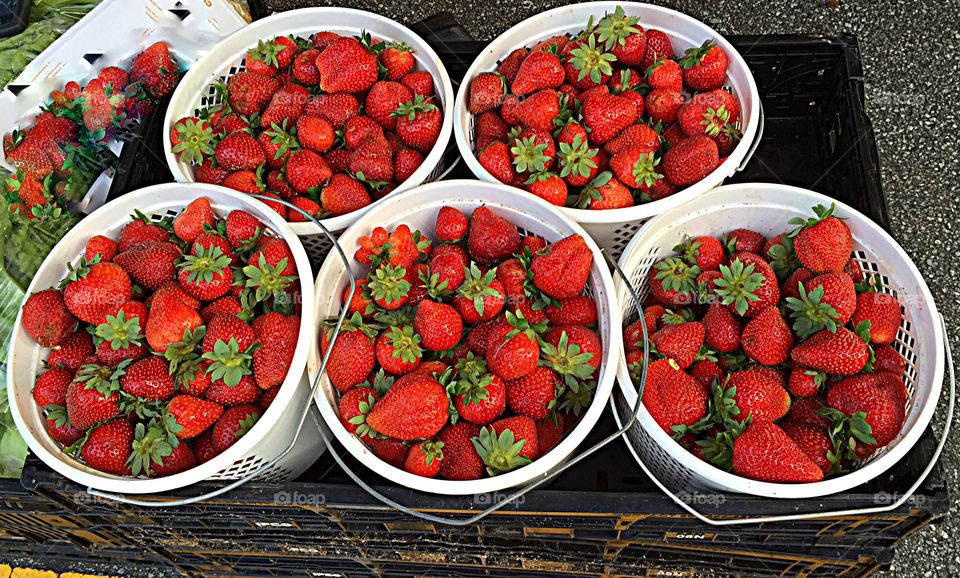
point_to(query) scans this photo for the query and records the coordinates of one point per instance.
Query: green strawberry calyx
(405, 344)
(476, 286)
(228, 362)
(151, 445)
(500, 453)
(267, 280)
(528, 156)
(120, 331)
(567, 359)
(360, 420)
(196, 141)
(738, 285)
(592, 61)
(207, 263)
(577, 158)
(388, 284)
(811, 314)
(614, 29)
(677, 275)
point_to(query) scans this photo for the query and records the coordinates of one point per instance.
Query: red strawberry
(383, 99)
(680, 342)
(663, 106)
(314, 133)
(344, 194)
(351, 360)
(539, 110)
(452, 225)
(46, 318)
(334, 108)
(402, 250)
(93, 396)
(672, 397)
(837, 292)
(576, 310)
(306, 170)
(72, 351)
(824, 243)
(243, 229)
(805, 382)
(109, 447)
(706, 372)
(460, 459)
(478, 398)
(704, 67)
(169, 318)
(245, 392)
(492, 238)
(180, 459)
(398, 350)
(193, 415)
(233, 424)
(156, 70)
(563, 269)
(240, 151)
(189, 224)
(638, 137)
(745, 240)
(285, 107)
(549, 187)
(207, 173)
(765, 452)
(249, 92)
(497, 444)
(346, 66)
(419, 82)
(665, 74)
(305, 68)
(488, 127)
(709, 113)
(487, 90)
(495, 158)
(439, 325)
(534, 395)
(512, 348)
(390, 450)
(767, 339)
(880, 396)
(321, 40)
(353, 408)
(424, 459)
(92, 289)
(397, 59)
(538, 70)
(309, 206)
(150, 264)
(418, 123)
(690, 160)
(759, 393)
(277, 333)
(148, 379)
(814, 440)
(51, 387)
(59, 427)
(372, 161)
(415, 407)
(607, 115)
(882, 312)
(657, 46)
(840, 353)
(480, 297)
(887, 359)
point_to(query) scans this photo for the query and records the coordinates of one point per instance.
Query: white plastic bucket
(277, 426)
(227, 58)
(418, 208)
(612, 229)
(766, 208)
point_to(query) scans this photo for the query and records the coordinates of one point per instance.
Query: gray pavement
(911, 67)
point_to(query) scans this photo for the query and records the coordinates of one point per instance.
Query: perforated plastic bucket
(227, 58)
(418, 208)
(766, 208)
(276, 428)
(613, 229)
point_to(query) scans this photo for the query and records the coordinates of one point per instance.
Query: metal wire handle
(810, 515)
(525, 489)
(160, 502)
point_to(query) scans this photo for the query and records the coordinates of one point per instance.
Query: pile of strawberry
(607, 119)
(330, 124)
(168, 343)
(475, 354)
(772, 357)
(58, 158)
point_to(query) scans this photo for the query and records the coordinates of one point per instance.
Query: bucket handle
(809, 515)
(161, 502)
(499, 504)
(756, 140)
